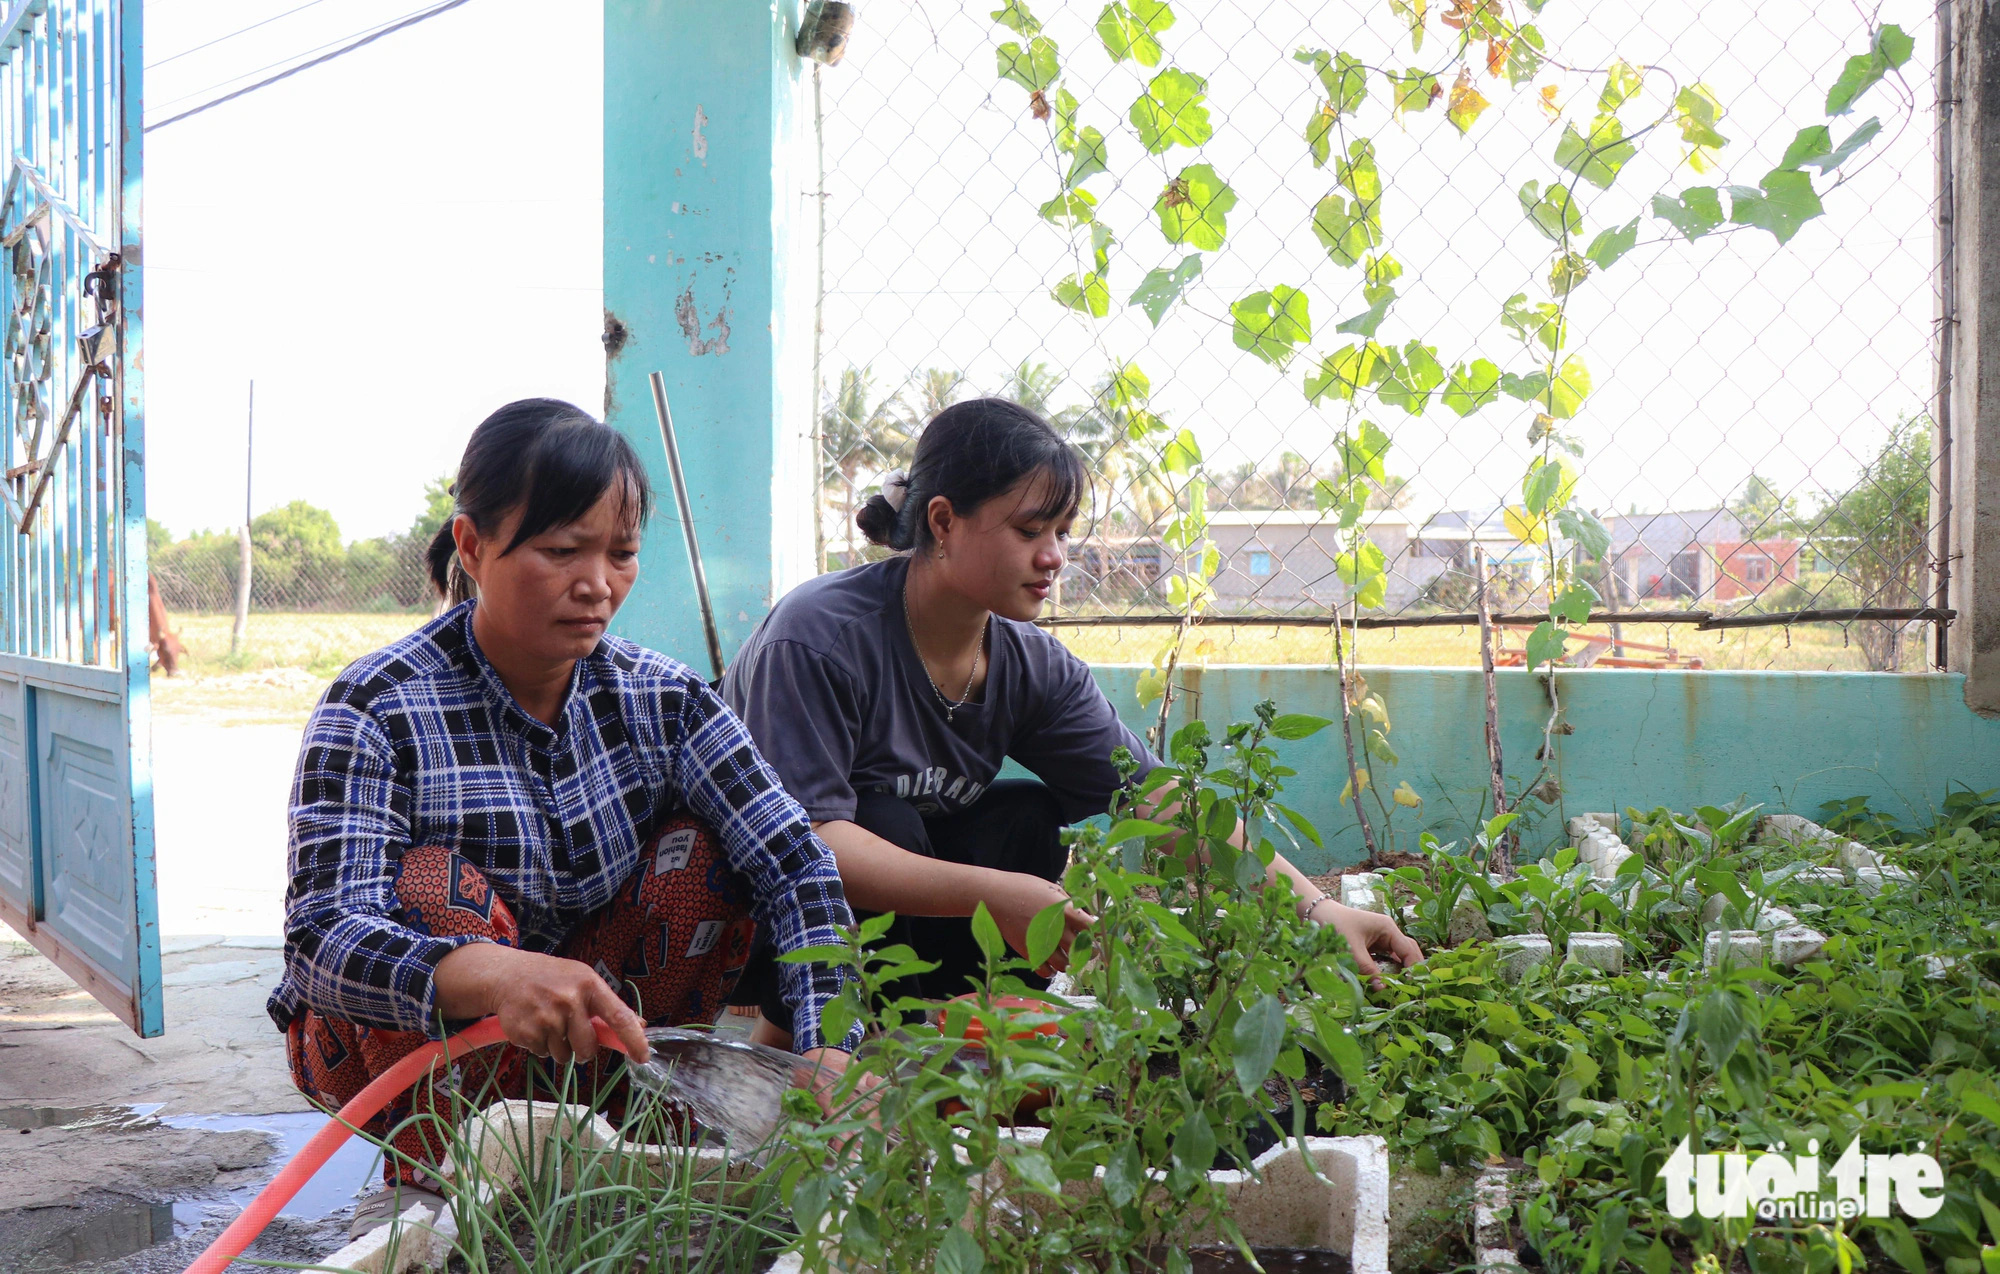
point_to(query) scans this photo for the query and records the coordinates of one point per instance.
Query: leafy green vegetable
(1784, 203)
(1170, 113)
(1158, 291)
(1888, 49)
(1272, 324)
(1194, 208)
(1034, 68)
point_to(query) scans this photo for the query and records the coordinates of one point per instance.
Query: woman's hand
(544, 1002)
(1016, 902)
(1367, 932)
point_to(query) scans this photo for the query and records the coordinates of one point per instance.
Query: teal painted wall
(704, 196)
(1788, 739)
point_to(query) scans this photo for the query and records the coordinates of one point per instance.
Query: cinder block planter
(1521, 952)
(1604, 952)
(1740, 946)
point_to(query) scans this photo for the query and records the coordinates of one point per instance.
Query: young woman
(887, 697)
(510, 812)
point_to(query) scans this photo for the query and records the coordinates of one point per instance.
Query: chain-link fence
(1206, 238)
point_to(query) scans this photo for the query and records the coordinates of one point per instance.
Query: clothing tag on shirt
(674, 851)
(705, 936)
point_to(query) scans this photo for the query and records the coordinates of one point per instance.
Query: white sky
(397, 242)
(392, 244)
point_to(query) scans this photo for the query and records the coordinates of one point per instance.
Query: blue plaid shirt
(421, 744)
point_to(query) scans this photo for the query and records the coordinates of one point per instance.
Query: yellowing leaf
(1347, 788)
(1524, 526)
(1466, 103)
(1548, 102)
(1406, 796)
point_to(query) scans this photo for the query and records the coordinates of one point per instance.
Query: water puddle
(26, 1119)
(354, 1168)
(1275, 1260)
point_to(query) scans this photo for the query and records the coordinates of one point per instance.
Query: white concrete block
(1873, 880)
(1820, 878)
(1938, 968)
(1769, 919)
(404, 1244)
(1796, 944)
(1583, 824)
(1364, 891)
(1604, 952)
(1746, 946)
(1856, 857)
(1521, 952)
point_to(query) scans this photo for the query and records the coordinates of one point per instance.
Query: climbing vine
(1487, 46)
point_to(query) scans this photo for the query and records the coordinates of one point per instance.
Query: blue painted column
(707, 278)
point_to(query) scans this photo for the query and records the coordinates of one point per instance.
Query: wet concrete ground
(125, 1155)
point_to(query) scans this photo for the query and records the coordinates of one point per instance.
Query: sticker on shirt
(604, 971)
(675, 849)
(706, 935)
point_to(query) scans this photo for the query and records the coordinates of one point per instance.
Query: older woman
(511, 812)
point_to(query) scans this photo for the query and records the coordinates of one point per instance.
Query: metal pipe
(1947, 300)
(1700, 619)
(659, 383)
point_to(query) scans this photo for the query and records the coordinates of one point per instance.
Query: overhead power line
(423, 15)
(175, 57)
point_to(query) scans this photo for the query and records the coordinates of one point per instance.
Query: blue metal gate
(76, 810)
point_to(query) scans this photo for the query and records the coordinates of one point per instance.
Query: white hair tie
(896, 489)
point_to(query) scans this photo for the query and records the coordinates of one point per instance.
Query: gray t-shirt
(837, 699)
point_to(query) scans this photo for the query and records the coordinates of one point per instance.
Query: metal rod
(1700, 619)
(1947, 313)
(1499, 855)
(659, 383)
(243, 553)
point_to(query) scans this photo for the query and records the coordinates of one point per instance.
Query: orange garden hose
(243, 1231)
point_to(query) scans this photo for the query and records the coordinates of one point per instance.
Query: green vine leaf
(1365, 455)
(1599, 158)
(1472, 386)
(1414, 374)
(1344, 78)
(1065, 113)
(1412, 14)
(1319, 133)
(1525, 388)
(1610, 245)
(1621, 85)
(1466, 104)
(1360, 175)
(1888, 50)
(1814, 145)
(1569, 270)
(1092, 155)
(1182, 454)
(1697, 211)
(1034, 68)
(1697, 109)
(1171, 114)
(1582, 528)
(1573, 606)
(1365, 323)
(1545, 645)
(1548, 485)
(1071, 209)
(1346, 372)
(1346, 236)
(1273, 324)
(1363, 570)
(1160, 288)
(1784, 203)
(1133, 30)
(1543, 321)
(1554, 213)
(1569, 388)
(1524, 56)
(1194, 208)
(1378, 743)
(1090, 292)
(1015, 16)
(1414, 90)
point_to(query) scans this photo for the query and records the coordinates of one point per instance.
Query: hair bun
(877, 520)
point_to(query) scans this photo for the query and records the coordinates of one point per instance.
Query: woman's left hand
(1368, 933)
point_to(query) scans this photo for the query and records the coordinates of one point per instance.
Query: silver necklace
(949, 706)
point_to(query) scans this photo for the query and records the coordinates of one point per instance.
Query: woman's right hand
(1021, 897)
(544, 1002)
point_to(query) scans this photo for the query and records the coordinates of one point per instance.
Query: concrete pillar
(1968, 411)
(707, 278)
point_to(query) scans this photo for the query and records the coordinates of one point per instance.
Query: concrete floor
(113, 1191)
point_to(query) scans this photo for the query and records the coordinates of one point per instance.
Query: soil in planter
(1275, 1260)
(1319, 1087)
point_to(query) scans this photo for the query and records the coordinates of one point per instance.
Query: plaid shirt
(421, 744)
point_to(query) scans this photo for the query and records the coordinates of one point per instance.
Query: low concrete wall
(1788, 739)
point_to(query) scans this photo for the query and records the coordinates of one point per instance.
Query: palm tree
(1119, 436)
(1032, 385)
(859, 433)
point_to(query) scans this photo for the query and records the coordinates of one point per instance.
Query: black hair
(546, 457)
(969, 453)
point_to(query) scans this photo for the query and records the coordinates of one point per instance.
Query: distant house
(1452, 536)
(1747, 569)
(1283, 559)
(1105, 567)
(1693, 556)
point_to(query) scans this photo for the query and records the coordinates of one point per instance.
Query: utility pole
(243, 539)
